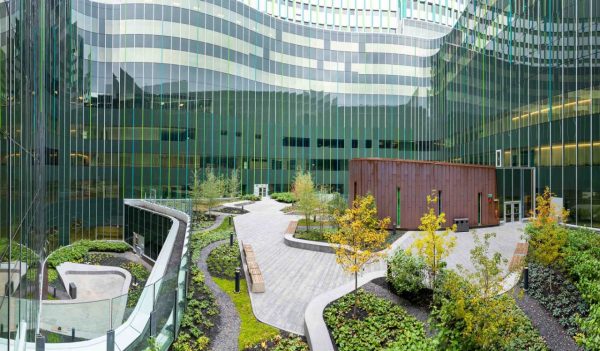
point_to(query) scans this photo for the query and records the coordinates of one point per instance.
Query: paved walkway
(293, 276)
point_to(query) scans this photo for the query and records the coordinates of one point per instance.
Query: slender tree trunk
(355, 294)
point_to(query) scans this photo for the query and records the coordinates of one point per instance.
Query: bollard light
(73, 334)
(237, 280)
(394, 229)
(526, 278)
(230, 239)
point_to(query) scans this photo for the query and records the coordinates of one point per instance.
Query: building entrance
(512, 211)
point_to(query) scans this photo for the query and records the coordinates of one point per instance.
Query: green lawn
(252, 331)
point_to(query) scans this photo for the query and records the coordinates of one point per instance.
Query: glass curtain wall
(522, 77)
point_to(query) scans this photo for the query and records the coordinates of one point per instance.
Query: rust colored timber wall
(459, 184)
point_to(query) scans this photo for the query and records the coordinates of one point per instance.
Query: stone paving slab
(293, 277)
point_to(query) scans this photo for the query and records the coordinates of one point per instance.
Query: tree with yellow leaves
(361, 233)
(546, 236)
(432, 243)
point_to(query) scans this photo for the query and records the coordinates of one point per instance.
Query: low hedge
(381, 325)
(250, 197)
(78, 250)
(287, 197)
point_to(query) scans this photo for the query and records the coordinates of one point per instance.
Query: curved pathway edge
(229, 326)
(315, 328)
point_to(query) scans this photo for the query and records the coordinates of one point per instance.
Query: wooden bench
(518, 258)
(257, 282)
(291, 229)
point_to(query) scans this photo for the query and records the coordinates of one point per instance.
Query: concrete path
(229, 325)
(293, 277)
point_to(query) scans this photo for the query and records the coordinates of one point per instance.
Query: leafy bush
(77, 251)
(467, 321)
(381, 325)
(250, 197)
(582, 259)
(200, 240)
(199, 316)
(288, 198)
(281, 343)
(406, 273)
(557, 294)
(223, 260)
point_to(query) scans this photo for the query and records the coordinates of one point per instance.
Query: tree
(361, 233)
(488, 275)
(233, 185)
(304, 190)
(546, 236)
(195, 191)
(434, 245)
(212, 187)
(472, 312)
(335, 207)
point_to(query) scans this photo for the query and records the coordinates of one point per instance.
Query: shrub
(582, 259)
(561, 298)
(382, 325)
(250, 197)
(223, 260)
(465, 320)
(78, 250)
(287, 197)
(406, 273)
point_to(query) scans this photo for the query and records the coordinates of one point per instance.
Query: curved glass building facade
(113, 99)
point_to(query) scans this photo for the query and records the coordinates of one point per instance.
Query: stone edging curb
(290, 241)
(315, 329)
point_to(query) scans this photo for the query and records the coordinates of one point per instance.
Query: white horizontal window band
(175, 57)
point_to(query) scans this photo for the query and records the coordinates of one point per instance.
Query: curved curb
(315, 328)
(290, 241)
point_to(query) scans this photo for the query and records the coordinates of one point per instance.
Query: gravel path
(553, 333)
(229, 326)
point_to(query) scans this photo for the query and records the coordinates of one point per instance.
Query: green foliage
(250, 197)
(287, 198)
(52, 275)
(199, 316)
(312, 235)
(141, 274)
(251, 330)
(234, 183)
(201, 239)
(335, 207)
(471, 314)
(291, 344)
(223, 260)
(561, 298)
(304, 191)
(466, 320)
(18, 253)
(488, 275)
(582, 259)
(546, 242)
(77, 251)
(207, 186)
(589, 337)
(406, 273)
(202, 310)
(383, 325)
(432, 243)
